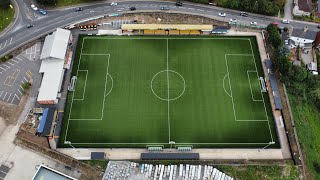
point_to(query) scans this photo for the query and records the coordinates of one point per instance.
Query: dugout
(164, 29)
(274, 85)
(47, 122)
(170, 156)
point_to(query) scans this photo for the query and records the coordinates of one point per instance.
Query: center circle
(168, 85)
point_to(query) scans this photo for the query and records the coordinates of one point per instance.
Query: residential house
(302, 7)
(305, 38)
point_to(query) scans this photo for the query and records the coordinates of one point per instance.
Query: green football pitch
(168, 91)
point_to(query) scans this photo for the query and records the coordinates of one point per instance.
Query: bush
(316, 166)
(6, 58)
(26, 85)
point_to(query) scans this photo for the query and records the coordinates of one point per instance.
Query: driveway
(288, 10)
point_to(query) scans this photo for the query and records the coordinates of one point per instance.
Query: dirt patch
(10, 113)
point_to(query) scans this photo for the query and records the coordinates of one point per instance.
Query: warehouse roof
(166, 26)
(55, 45)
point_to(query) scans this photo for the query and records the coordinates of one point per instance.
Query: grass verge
(306, 117)
(6, 16)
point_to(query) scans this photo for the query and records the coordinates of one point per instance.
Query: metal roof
(97, 155)
(55, 45)
(170, 156)
(52, 79)
(274, 85)
(166, 26)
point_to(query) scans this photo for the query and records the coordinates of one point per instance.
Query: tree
(274, 35)
(47, 2)
(283, 64)
(4, 3)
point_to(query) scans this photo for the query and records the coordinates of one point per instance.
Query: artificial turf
(140, 91)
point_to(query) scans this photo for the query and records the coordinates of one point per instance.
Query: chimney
(305, 29)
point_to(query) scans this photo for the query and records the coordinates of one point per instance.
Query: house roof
(55, 45)
(304, 34)
(305, 5)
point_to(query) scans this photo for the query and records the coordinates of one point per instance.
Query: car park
(30, 25)
(222, 14)
(43, 12)
(285, 21)
(132, 8)
(34, 7)
(253, 23)
(79, 9)
(243, 14)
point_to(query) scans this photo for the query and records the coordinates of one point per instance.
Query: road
(18, 34)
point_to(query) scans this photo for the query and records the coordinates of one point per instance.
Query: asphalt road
(18, 34)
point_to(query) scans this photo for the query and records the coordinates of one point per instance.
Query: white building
(52, 66)
(303, 38)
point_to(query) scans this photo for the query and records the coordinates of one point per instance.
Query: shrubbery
(6, 58)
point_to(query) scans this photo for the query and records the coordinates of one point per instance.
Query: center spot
(168, 85)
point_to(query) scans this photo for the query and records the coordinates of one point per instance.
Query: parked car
(113, 4)
(233, 21)
(243, 14)
(132, 8)
(34, 7)
(164, 8)
(43, 12)
(79, 9)
(179, 3)
(286, 42)
(285, 21)
(30, 25)
(222, 14)
(253, 23)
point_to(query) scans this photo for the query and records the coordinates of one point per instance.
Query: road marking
(5, 44)
(1, 93)
(6, 66)
(14, 60)
(16, 96)
(10, 41)
(10, 63)
(19, 58)
(4, 96)
(13, 98)
(2, 68)
(21, 88)
(19, 91)
(25, 79)
(0, 46)
(9, 97)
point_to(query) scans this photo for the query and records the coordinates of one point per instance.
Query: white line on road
(14, 60)
(25, 79)
(9, 97)
(5, 44)
(1, 93)
(6, 66)
(0, 46)
(18, 91)
(10, 41)
(13, 98)
(2, 68)
(21, 88)
(10, 63)
(16, 96)
(19, 58)
(4, 96)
